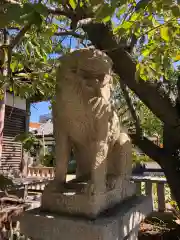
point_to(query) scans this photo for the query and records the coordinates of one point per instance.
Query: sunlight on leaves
(165, 33)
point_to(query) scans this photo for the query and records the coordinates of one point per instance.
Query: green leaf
(28, 48)
(13, 13)
(140, 72)
(177, 58)
(166, 7)
(119, 30)
(127, 25)
(175, 10)
(141, 5)
(144, 77)
(3, 21)
(105, 11)
(95, 2)
(72, 3)
(107, 19)
(27, 16)
(137, 73)
(27, 7)
(38, 52)
(154, 66)
(13, 65)
(46, 75)
(165, 33)
(121, 10)
(20, 66)
(25, 75)
(168, 2)
(41, 9)
(34, 42)
(134, 17)
(37, 19)
(166, 62)
(146, 52)
(43, 54)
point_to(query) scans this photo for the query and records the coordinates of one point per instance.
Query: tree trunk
(172, 173)
(166, 158)
(102, 38)
(171, 165)
(157, 101)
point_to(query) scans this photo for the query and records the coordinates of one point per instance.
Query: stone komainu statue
(84, 119)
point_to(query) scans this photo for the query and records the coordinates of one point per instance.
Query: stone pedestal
(72, 201)
(118, 223)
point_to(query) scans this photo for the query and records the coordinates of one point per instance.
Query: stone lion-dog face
(85, 120)
(87, 76)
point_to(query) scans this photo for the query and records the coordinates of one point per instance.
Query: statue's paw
(111, 182)
(89, 189)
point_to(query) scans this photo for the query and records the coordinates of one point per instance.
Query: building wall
(45, 117)
(15, 123)
(16, 102)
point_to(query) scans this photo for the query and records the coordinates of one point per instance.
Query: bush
(48, 160)
(140, 158)
(138, 163)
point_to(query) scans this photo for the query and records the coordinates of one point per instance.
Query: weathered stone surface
(73, 202)
(119, 223)
(85, 120)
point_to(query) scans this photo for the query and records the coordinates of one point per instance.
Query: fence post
(148, 190)
(161, 197)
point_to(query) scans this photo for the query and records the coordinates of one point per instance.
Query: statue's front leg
(62, 150)
(97, 182)
(62, 156)
(120, 162)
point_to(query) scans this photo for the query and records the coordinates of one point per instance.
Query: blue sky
(38, 109)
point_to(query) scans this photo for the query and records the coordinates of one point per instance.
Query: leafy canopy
(42, 31)
(154, 25)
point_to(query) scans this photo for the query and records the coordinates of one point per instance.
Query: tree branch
(59, 11)
(70, 33)
(102, 38)
(140, 3)
(149, 148)
(14, 28)
(63, 33)
(178, 95)
(131, 109)
(20, 35)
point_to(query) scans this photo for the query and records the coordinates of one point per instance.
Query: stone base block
(118, 223)
(72, 201)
